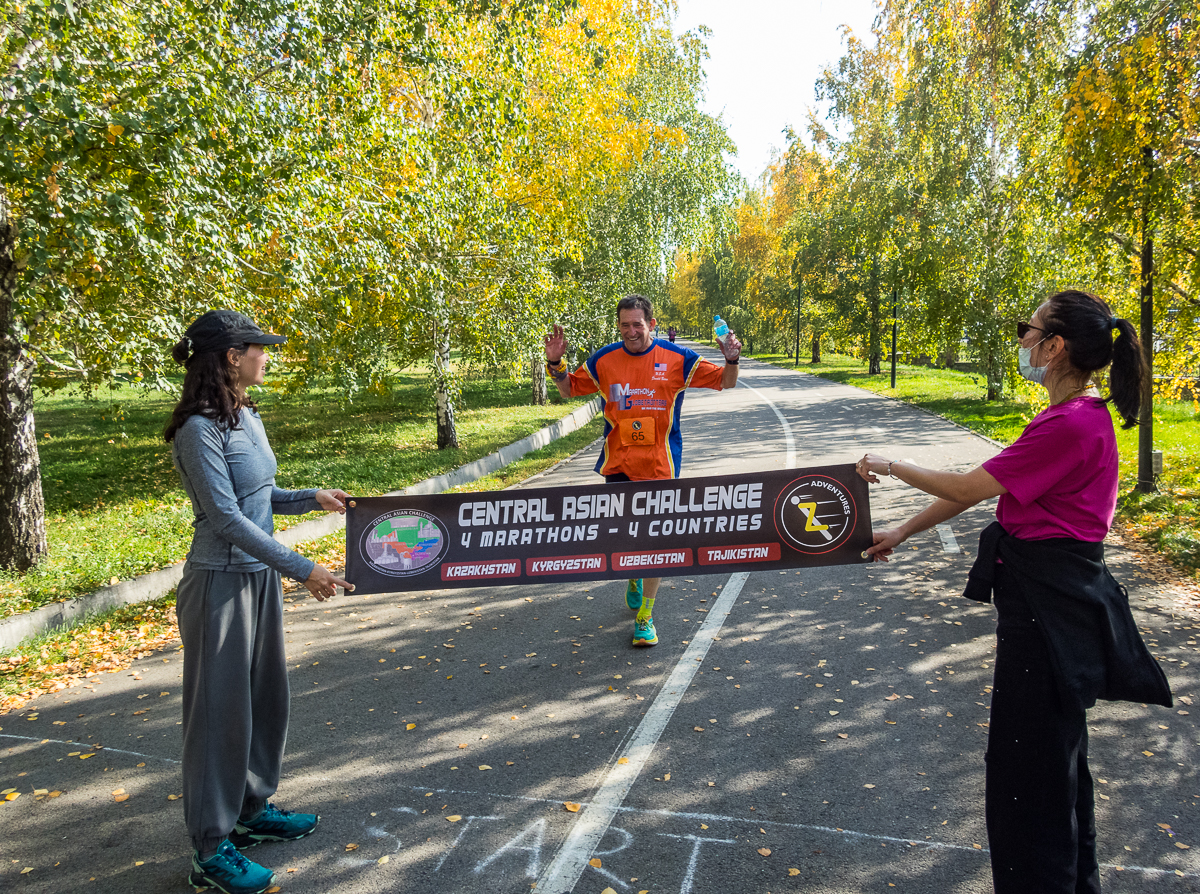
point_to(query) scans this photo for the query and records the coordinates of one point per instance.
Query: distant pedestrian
(671, 334)
(229, 603)
(643, 380)
(1065, 635)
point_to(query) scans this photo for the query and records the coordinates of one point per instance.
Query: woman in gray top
(229, 604)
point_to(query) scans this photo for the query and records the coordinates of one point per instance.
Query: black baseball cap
(220, 330)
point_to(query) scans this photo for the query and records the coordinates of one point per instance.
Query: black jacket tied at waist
(1095, 648)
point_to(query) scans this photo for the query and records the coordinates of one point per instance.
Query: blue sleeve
(294, 502)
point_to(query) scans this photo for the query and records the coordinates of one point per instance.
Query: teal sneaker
(633, 594)
(229, 871)
(273, 824)
(643, 633)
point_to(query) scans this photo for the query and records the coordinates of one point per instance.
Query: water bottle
(721, 328)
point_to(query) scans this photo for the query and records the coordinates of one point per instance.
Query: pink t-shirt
(1061, 474)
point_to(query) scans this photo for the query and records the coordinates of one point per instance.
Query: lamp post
(893, 338)
(799, 292)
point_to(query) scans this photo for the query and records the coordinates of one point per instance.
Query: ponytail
(1127, 376)
(1086, 324)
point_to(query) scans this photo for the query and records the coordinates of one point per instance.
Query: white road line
(949, 544)
(790, 460)
(568, 864)
(86, 746)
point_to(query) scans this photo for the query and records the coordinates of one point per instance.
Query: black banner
(794, 518)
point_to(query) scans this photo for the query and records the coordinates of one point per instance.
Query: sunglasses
(1023, 329)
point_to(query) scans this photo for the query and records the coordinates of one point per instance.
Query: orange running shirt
(643, 399)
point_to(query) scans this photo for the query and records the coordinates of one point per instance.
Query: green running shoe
(229, 871)
(643, 633)
(633, 594)
(273, 824)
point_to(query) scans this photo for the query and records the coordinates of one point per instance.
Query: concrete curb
(150, 586)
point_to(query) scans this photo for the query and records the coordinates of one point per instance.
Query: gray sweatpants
(235, 698)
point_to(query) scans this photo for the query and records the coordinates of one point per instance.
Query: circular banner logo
(403, 543)
(815, 514)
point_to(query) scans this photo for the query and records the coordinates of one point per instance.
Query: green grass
(114, 506)
(1169, 519)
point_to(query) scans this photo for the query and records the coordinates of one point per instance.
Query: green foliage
(378, 181)
(979, 157)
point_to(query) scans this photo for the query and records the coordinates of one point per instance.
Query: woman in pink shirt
(1065, 635)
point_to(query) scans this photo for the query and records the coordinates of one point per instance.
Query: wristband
(890, 463)
(558, 373)
(733, 362)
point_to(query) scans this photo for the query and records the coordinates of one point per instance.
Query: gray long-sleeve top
(229, 474)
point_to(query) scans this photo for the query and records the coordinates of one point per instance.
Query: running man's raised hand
(556, 345)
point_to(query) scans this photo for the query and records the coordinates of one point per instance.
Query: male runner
(643, 380)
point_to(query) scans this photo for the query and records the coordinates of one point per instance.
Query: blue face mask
(1035, 374)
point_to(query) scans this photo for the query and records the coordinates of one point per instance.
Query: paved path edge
(145, 587)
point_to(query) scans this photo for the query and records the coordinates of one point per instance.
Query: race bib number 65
(637, 432)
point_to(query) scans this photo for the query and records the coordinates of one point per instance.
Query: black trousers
(1039, 799)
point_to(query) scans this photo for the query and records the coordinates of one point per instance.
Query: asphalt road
(815, 731)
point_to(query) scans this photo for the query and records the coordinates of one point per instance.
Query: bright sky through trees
(766, 55)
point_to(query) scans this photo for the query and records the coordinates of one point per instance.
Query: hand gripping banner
(796, 518)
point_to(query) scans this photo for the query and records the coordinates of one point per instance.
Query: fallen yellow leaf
(453, 818)
(622, 760)
(411, 726)
(352, 847)
(608, 891)
(1183, 847)
(382, 859)
(571, 806)
(793, 871)
(140, 863)
(765, 851)
(12, 796)
(869, 785)
(84, 757)
(595, 864)
(484, 767)
(892, 697)
(120, 798)
(703, 826)
(174, 797)
(274, 889)
(26, 869)
(1148, 753)
(698, 729)
(666, 777)
(119, 791)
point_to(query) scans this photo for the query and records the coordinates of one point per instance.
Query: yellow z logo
(810, 514)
